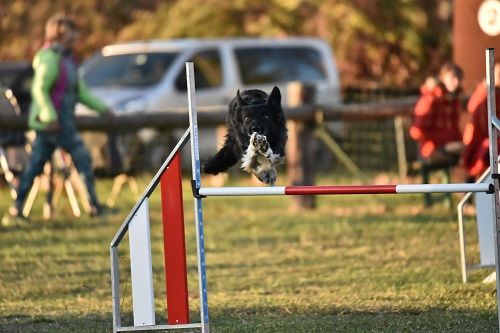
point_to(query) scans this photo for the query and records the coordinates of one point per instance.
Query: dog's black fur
(256, 133)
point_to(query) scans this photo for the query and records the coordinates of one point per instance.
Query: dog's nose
(255, 128)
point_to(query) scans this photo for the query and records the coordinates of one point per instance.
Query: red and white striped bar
(345, 189)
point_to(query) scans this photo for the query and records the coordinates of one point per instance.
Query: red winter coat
(476, 151)
(435, 120)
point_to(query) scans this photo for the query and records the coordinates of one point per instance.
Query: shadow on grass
(53, 324)
(274, 319)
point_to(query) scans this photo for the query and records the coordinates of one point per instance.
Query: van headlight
(131, 105)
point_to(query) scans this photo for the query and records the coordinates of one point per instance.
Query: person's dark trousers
(117, 163)
(43, 147)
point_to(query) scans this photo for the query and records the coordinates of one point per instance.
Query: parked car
(149, 76)
(15, 81)
(17, 76)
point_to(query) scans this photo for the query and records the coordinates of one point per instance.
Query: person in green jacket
(55, 91)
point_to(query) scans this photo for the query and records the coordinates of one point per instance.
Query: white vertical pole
(115, 288)
(485, 229)
(196, 168)
(141, 267)
(490, 81)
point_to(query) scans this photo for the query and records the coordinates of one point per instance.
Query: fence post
(400, 147)
(300, 146)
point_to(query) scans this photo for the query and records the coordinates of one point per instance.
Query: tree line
(377, 43)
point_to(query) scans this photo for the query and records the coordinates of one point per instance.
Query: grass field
(355, 264)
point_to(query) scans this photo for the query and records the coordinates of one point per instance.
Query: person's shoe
(14, 218)
(102, 210)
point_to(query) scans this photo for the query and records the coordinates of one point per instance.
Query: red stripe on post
(340, 189)
(174, 243)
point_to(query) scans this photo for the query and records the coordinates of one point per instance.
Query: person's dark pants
(442, 159)
(43, 148)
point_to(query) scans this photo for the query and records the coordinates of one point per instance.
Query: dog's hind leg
(221, 162)
(266, 174)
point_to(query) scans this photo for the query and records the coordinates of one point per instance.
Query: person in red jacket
(475, 157)
(437, 116)
(436, 123)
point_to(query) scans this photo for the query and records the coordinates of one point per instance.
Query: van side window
(279, 64)
(207, 71)
(132, 69)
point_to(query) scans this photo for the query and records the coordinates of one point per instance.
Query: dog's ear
(275, 97)
(239, 100)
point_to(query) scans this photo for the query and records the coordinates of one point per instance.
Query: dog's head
(258, 111)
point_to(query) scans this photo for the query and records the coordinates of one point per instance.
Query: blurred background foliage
(377, 43)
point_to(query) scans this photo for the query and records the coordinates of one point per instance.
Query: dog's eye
(247, 119)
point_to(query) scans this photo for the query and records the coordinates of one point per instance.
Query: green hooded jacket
(46, 66)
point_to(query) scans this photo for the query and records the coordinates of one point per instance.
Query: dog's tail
(221, 162)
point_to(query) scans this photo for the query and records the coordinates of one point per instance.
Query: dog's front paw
(259, 142)
(267, 176)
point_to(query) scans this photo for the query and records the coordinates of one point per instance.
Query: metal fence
(364, 130)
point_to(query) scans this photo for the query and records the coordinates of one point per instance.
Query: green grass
(355, 264)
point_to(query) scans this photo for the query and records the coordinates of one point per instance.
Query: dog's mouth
(256, 129)
(250, 133)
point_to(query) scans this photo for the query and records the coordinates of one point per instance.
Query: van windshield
(137, 69)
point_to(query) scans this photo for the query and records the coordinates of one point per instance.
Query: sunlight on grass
(355, 264)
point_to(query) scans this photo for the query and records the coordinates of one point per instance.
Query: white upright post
(492, 119)
(141, 267)
(196, 183)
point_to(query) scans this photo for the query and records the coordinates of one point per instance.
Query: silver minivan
(149, 76)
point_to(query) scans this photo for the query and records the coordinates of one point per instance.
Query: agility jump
(170, 177)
